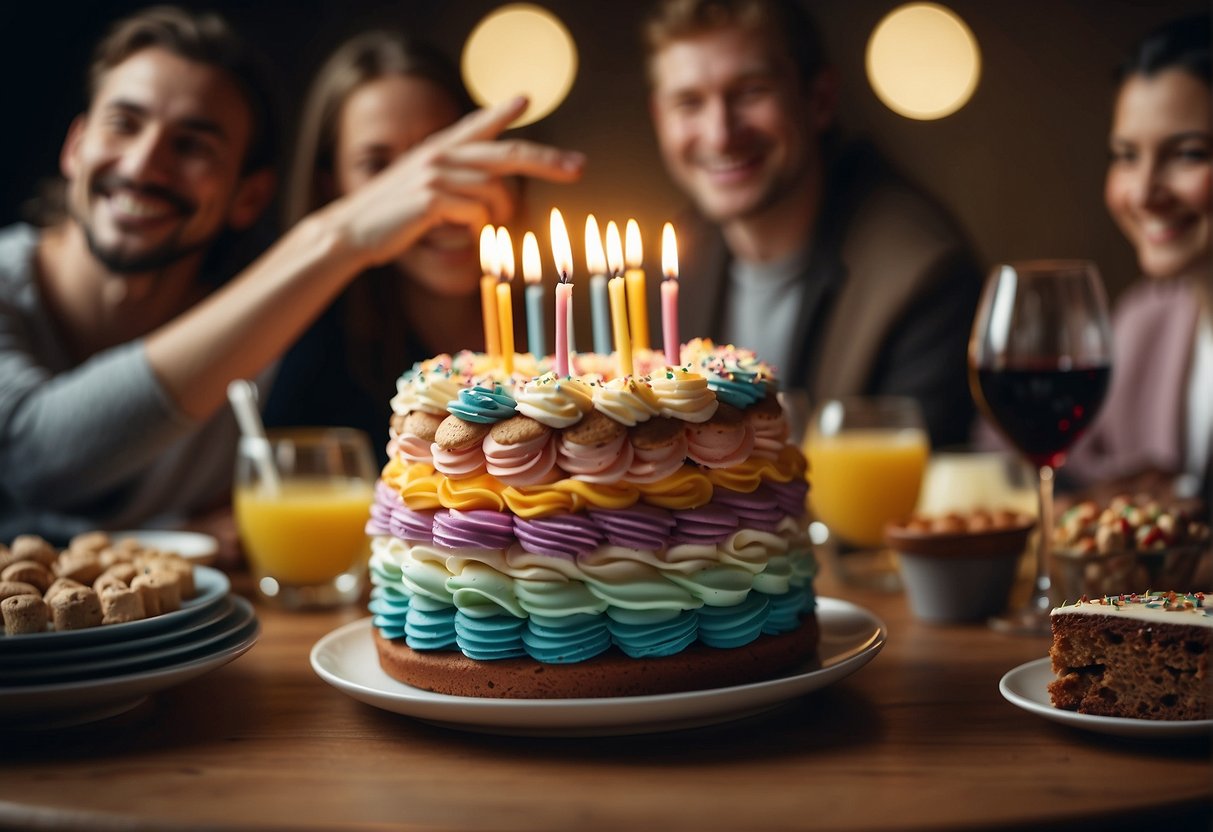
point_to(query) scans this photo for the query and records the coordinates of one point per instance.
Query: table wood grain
(920, 738)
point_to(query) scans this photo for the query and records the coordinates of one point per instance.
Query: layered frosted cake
(1142, 656)
(592, 535)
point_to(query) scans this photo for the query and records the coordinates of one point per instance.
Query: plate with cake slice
(851, 636)
(1027, 687)
(1134, 665)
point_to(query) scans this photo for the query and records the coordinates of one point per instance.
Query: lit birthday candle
(669, 296)
(562, 254)
(505, 307)
(638, 312)
(532, 273)
(595, 259)
(619, 305)
(488, 284)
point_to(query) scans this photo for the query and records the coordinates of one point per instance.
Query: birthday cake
(596, 534)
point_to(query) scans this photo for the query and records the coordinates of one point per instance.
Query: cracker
(420, 424)
(518, 429)
(24, 614)
(594, 429)
(454, 434)
(28, 572)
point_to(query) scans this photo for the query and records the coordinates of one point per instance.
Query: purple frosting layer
(386, 499)
(711, 523)
(473, 529)
(561, 535)
(640, 527)
(756, 510)
(790, 496)
(412, 525)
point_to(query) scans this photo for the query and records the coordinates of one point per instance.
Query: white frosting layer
(1161, 608)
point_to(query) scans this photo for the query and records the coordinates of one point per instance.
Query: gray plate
(234, 614)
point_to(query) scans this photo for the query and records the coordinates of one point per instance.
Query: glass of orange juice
(866, 457)
(302, 498)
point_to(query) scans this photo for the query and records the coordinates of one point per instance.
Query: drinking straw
(242, 393)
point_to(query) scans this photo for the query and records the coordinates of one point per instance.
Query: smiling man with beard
(811, 251)
(115, 352)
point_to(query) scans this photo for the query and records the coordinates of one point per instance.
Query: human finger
(488, 189)
(518, 157)
(483, 124)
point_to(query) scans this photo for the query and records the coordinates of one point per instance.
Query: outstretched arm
(455, 176)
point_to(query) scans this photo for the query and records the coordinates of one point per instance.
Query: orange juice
(310, 532)
(862, 479)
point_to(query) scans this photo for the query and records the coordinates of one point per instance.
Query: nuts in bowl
(960, 566)
(1130, 545)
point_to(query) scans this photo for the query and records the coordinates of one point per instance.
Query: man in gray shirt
(114, 355)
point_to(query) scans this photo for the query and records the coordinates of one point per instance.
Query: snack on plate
(591, 535)
(1141, 656)
(94, 581)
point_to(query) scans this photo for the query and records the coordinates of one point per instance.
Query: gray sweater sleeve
(68, 438)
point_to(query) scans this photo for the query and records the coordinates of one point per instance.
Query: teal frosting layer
(430, 625)
(482, 405)
(784, 612)
(734, 626)
(567, 639)
(486, 639)
(741, 390)
(652, 633)
(390, 608)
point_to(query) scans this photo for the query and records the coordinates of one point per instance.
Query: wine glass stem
(1044, 550)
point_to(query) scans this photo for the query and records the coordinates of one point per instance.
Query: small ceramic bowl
(962, 567)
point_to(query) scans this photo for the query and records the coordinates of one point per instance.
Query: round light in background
(923, 61)
(520, 49)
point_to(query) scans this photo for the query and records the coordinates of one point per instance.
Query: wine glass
(1040, 357)
(866, 459)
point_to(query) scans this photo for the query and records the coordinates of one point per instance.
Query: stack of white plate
(76, 676)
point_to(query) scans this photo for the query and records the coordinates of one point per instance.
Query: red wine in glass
(1040, 358)
(1043, 410)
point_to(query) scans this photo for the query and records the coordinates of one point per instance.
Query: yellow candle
(617, 292)
(619, 323)
(505, 305)
(638, 312)
(488, 283)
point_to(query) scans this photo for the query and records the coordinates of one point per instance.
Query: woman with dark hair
(379, 95)
(1156, 426)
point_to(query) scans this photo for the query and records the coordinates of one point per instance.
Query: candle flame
(505, 254)
(488, 250)
(669, 252)
(634, 251)
(595, 257)
(562, 250)
(614, 249)
(532, 269)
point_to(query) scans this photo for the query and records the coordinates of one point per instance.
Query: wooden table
(918, 739)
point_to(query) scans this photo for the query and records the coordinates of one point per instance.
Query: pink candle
(562, 253)
(564, 294)
(669, 296)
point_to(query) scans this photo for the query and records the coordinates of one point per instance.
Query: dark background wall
(1021, 165)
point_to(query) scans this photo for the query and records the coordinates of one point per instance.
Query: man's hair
(204, 38)
(785, 23)
(1181, 44)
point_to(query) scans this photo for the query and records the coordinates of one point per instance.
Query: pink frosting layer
(600, 464)
(459, 464)
(720, 449)
(657, 463)
(527, 463)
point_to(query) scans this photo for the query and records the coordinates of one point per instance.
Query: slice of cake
(591, 535)
(1139, 656)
